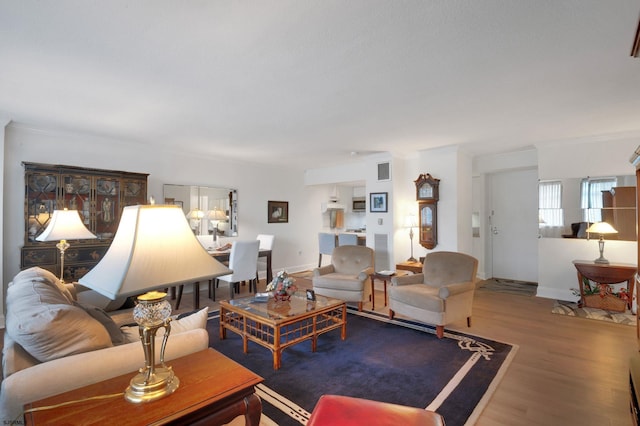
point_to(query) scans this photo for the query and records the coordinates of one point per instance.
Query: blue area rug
(400, 362)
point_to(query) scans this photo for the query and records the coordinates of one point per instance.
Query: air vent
(384, 171)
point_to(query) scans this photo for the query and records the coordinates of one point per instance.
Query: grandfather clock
(427, 194)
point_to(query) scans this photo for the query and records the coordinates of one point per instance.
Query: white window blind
(550, 204)
(591, 197)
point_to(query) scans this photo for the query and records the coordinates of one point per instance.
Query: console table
(605, 273)
(213, 390)
(415, 267)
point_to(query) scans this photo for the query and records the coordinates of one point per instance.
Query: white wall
(295, 245)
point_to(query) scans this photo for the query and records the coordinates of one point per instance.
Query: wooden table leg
(385, 292)
(373, 294)
(223, 330)
(245, 336)
(196, 295)
(581, 286)
(343, 332)
(254, 410)
(277, 352)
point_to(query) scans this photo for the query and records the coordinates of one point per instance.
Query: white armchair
(347, 276)
(441, 294)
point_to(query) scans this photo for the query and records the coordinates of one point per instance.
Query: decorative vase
(282, 296)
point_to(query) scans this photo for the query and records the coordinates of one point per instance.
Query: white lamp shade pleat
(154, 247)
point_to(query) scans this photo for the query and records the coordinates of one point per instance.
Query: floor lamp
(411, 222)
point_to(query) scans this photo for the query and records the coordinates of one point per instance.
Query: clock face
(426, 191)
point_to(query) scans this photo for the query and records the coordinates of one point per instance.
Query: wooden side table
(213, 390)
(415, 267)
(606, 273)
(383, 278)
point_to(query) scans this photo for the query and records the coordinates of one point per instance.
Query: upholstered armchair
(441, 294)
(347, 276)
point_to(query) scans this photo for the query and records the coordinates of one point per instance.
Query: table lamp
(196, 215)
(65, 225)
(216, 216)
(601, 228)
(154, 247)
(411, 221)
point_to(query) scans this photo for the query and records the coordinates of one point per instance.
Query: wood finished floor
(567, 371)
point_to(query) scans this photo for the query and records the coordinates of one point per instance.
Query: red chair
(336, 410)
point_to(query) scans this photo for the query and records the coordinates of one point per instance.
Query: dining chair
(242, 261)
(266, 243)
(326, 243)
(347, 240)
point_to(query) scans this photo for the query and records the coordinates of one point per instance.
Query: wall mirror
(210, 210)
(566, 207)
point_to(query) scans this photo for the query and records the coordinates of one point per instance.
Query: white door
(514, 224)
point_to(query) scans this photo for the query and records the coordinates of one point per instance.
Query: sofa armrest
(455, 288)
(407, 279)
(64, 374)
(324, 270)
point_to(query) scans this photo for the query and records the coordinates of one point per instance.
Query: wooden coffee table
(276, 325)
(213, 390)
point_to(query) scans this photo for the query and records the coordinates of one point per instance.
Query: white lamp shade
(195, 214)
(601, 228)
(65, 225)
(216, 214)
(154, 247)
(411, 221)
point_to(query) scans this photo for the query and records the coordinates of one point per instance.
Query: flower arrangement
(282, 286)
(603, 296)
(601, 290)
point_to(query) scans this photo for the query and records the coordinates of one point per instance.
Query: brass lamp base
(162, 383)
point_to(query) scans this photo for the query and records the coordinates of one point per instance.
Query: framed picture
(311, 295)
(378, 202)
(277, 212)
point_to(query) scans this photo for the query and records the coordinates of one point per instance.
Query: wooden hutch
(98, 195)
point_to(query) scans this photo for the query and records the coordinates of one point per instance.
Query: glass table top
(265, 305)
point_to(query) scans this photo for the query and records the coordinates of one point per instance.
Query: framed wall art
(378, 202)
(277, 212)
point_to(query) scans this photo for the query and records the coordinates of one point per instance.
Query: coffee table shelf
(276, 325)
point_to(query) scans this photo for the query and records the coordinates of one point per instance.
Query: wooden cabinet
(98, 195)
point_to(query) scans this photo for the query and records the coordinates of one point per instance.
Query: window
(591, 197)
(550, 203)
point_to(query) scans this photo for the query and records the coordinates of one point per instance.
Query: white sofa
(53, 344)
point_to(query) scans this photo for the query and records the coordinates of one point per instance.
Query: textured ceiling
(312, 81)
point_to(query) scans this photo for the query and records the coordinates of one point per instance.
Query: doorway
(513, 224)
